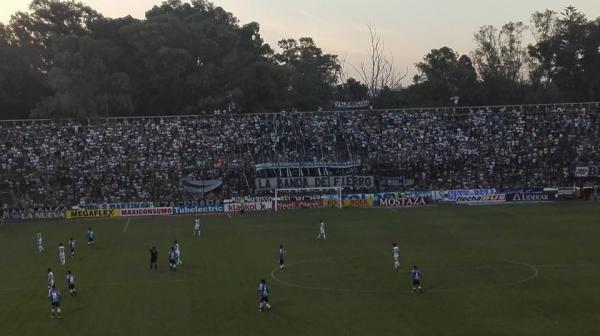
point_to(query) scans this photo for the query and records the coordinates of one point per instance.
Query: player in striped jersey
(321, 234)
(54, 297)
(40, 242)
(178, 253)
(90, 237)
(72, 246)
(281, 257)
(61, 253)
(197, 223)
(263, 296)
(396, 255)
(71, 283)
(50, 278)
(416, 276)
(172, 260)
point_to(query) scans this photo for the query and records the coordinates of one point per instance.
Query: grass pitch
(497, 270)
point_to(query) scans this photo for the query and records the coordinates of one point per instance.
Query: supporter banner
(481, 199)
(248, 206)
(452, 195)
(402, 202)
(526, 197)
(133, 205)
(299, 204)
(161, 211)
(589, 171)
(520, 191)
(308, 164)
(198, 210)
(97, 213)
(395, 181)
(249, 199)
(344, 105)
(200, 186)
(315, 182)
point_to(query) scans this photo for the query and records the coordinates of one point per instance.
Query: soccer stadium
(134, 205)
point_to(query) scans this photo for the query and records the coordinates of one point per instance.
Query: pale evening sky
(410, 28)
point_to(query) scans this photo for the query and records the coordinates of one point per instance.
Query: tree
(379, 70)
(351, 90)
(443, 74)
(567, 53)
(312, 73)
(500, 58)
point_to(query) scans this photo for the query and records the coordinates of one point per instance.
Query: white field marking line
(126, 225)
(535, 273)
(289, 284)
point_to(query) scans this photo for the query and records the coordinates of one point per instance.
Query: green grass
(498, 270)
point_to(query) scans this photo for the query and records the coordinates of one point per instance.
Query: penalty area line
(126, 225)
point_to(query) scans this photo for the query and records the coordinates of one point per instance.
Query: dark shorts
(172, 261)
(281, 261)
(264, 299)
(153, 260)
(416, 282)
(55, 304)
(90, 240)
(71, 286)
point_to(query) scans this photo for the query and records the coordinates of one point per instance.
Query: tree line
(64, 59)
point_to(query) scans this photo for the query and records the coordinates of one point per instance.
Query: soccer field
(495, 270)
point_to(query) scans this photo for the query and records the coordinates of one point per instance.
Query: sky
(410, 29)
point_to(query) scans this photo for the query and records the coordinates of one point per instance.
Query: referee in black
(153, 258)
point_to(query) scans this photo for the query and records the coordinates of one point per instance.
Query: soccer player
(50, 278)
(153, 258)
(40, 242)
(90, 237)
(416, 276)
(263, 296)
(172, 260)
(71, 283)
(197, 222)
(61, 253)
(281, 256)
(321, 234)
(178, 253)
(54, 297)
(396, 255)
(72, 246)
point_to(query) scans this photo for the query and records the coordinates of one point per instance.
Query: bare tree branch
(380, 71)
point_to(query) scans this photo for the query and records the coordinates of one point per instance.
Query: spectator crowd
(64, 163)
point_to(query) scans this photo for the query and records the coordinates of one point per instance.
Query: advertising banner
(527, 197)
(481, 199)
(98, 213)
(189, 210)
(248, 206)
(452, 195)
(315, 182)
(302, 204)
(402, 202)
(161, 211)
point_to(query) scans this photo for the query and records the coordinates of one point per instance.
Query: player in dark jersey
(153, 258)
(71, 283)
(263, 296)
(417, 277)
(172, 260)
(54, 297)
(72, 246)
(90, 237)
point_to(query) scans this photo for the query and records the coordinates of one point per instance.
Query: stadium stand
(61, 163)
